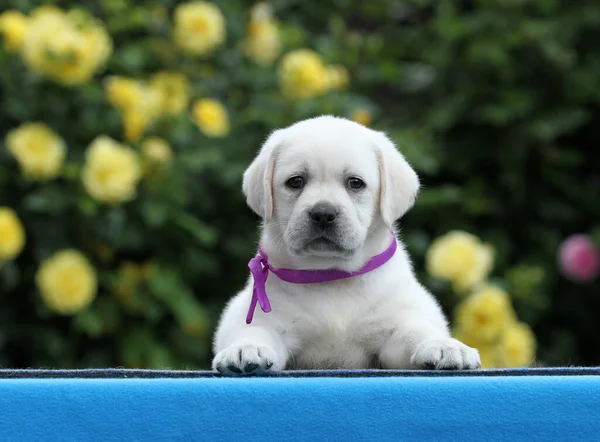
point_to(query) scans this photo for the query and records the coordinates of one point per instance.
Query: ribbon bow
(259, 267)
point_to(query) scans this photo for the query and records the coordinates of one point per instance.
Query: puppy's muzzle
(323, 215)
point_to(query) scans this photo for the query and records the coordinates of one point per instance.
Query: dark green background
(495, 103)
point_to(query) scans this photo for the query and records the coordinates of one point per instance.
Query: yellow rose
(156, 151)
(211, 117)
(173, 89)
(134, 123)
(111, 172)
(263, 42)
(123, 93)
(199, 27)
(46, 10)
(361, 116)
(98, 40)
(337, 77)
(67, 282)
(67, 47)
(517, 345)
(13, 26)
(261, 11)
(12, 235)
(483, 315)
(461, 258)
(138, 103)
(156, 155)
(39, 151)
(302, 74)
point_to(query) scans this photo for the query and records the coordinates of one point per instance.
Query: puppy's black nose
(323, 214)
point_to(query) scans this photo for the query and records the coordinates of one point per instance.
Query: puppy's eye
(355, 183)
(295, 182)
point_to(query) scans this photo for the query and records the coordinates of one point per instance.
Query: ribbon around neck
(260, 268)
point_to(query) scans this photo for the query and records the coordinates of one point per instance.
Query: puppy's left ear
(398, 182)
(257, 183)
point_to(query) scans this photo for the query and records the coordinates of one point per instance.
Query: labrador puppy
(329, 191)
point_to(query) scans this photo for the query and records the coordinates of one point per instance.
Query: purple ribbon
(260, 268)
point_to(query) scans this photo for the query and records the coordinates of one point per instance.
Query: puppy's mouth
(324, 247)
(323, 243)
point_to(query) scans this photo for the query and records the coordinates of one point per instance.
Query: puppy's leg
(243, 349)
(418, 344)
(250, 349)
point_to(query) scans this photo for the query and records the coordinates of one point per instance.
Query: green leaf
(10, 276)
(191, 315)
(87, 206)
(419, 148)
(159, 357)
(436, 197)
(203, 233)
(155, 212)
(554, 124)
(48, 199)
(90, 322)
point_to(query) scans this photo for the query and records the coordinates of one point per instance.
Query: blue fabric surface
(561, 408)
(144, 373)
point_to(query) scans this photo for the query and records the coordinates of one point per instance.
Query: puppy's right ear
(257, 184)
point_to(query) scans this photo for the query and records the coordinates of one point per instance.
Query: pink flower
(578, 259)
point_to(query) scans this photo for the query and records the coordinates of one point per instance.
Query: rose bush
(125, 128)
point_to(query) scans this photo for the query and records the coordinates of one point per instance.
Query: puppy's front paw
(245, 359)
(445, 354)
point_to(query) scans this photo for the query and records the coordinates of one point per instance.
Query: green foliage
(493, 102)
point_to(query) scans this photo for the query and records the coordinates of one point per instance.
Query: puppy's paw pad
(243, 359)
(445, 354)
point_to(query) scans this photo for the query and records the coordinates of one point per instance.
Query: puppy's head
(323, 184)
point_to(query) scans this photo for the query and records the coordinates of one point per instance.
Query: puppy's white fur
(384, 318)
